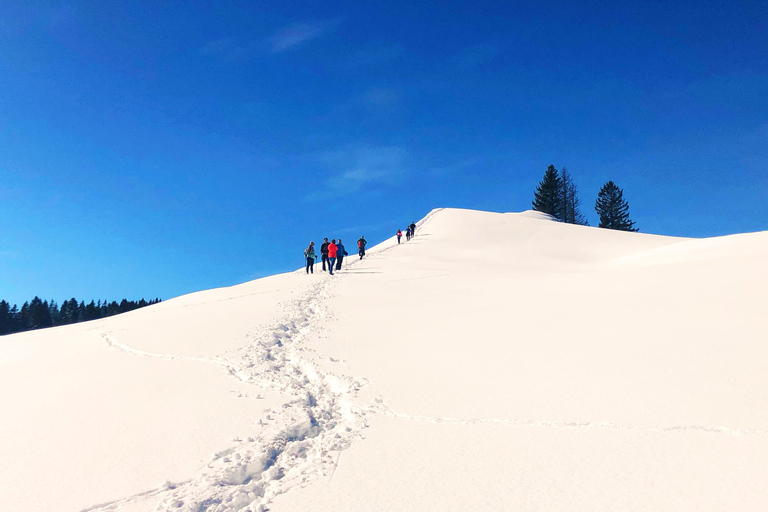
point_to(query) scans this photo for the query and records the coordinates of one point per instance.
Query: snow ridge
(301, 442)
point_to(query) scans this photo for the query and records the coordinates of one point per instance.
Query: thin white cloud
(299, 33)
(357, 170)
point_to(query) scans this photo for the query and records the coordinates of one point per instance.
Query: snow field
(612, 371)
(306, 435)
(494, 362)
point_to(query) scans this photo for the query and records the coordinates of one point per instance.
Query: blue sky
(150, 149)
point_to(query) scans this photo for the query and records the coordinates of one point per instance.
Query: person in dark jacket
(361, 246)
(324, 252)
(407, 233)
(413, 229)
(340, 254)
(309, 253)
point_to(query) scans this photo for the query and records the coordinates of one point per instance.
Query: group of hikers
(333, 252)
(410, 232)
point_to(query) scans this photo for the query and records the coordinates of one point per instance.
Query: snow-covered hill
(494, 362)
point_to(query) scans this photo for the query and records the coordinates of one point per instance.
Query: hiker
(399, 234)
(309, 253)
(413, 229)
(361, 246)
(332, 251)
(324, 252)
(407, 233)
(340, 253)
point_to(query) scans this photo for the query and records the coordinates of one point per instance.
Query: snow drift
(494, 362)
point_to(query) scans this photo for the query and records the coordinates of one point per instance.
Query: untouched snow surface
(494, 362)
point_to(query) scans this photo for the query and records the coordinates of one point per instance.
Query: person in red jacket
(332, 251)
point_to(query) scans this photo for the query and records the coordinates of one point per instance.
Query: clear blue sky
(150, 149)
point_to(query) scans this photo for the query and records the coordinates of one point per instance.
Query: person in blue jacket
(340, 254)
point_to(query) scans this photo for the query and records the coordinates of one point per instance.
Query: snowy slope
(494, 362)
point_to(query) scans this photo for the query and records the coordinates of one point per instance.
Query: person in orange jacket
(332, 251)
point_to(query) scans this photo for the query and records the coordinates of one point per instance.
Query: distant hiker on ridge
(413, 229)
(407, 233)
(341, 253)
(332, 251)
(399, 234)
(309, 253)
(324, 252)
(361, 246)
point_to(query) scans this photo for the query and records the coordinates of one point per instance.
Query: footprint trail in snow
(298, 443)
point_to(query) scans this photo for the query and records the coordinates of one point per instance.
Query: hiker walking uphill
(340, 254)
(324, 252)
(361, 246)
(399, 234)
(332, 251)
(407, 233)
(412, 227)
(309, 253)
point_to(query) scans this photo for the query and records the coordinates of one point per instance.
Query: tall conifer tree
(612, 209)
(6, 320)
(570, 200)
(548, 195)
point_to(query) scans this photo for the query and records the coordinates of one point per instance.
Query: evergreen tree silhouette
(570, 200)
(612, 209)
(6, 320)
(548, 197)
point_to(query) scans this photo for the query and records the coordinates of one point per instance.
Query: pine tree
(15, 322)
(53, 309)
(6, 320)
(548, 195)
(612, 209)
(570, 200)
(38, 314)
(68, 312)
(91, 313)
(24, 318)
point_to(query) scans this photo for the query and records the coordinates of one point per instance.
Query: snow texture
(493, 362)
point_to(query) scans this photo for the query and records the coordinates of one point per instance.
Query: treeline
(39, 314)
(556, 195)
